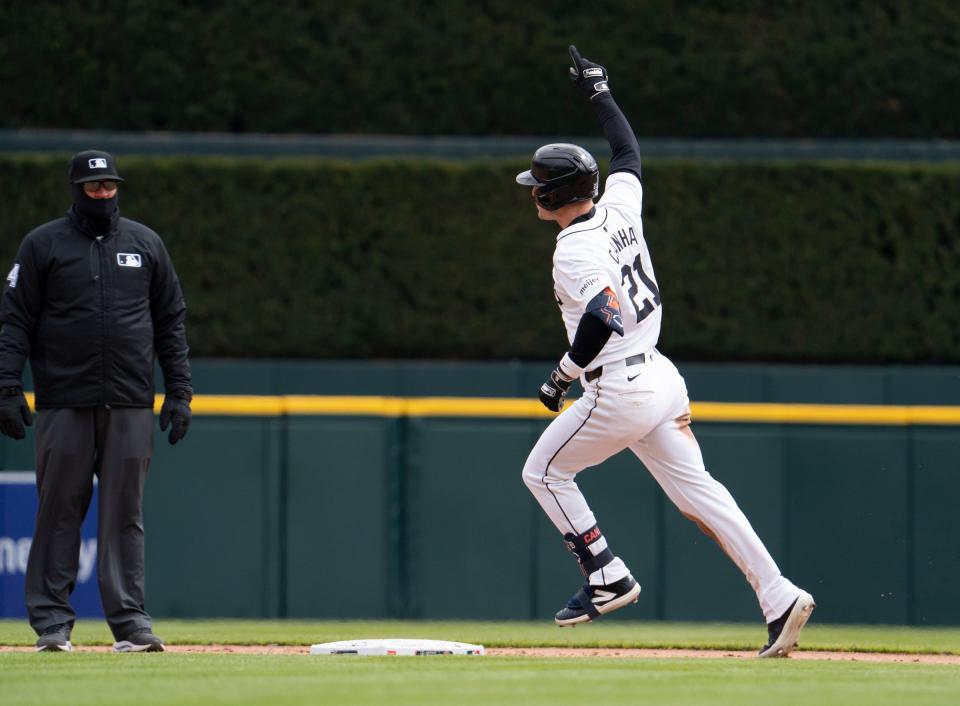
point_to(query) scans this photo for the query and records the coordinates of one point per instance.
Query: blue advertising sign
(18, 510)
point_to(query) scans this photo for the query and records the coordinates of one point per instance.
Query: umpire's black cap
(93, 165)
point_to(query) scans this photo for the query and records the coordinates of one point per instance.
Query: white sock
(611, 573)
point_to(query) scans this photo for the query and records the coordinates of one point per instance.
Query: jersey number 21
(626, 273)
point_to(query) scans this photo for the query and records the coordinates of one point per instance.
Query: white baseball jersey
(608, 251)
(643, 407)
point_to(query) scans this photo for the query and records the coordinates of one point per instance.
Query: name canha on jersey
(608, 250)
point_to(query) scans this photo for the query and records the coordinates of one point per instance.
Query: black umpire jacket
(92, 313)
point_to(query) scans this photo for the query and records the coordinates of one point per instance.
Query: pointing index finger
(575, 56)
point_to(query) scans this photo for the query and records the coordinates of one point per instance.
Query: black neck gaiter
(97, 211)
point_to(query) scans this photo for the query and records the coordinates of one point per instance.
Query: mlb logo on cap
(93, 165)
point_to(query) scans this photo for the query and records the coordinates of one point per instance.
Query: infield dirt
(571, 652)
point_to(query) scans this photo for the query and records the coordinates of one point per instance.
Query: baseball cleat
(593, 601)
(142, 641)
(785, 630)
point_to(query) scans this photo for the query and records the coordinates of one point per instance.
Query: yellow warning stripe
(517, 408)
(889, 415)
(372, 406)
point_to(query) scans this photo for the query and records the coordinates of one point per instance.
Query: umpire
(92, 298)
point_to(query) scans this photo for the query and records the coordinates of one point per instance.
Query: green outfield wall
(348, 489)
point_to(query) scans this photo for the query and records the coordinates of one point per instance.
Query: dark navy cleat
(593, 601)
(785, 630)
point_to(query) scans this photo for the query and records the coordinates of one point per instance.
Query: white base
(396, 646)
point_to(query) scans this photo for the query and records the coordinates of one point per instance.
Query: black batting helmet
(563, 174)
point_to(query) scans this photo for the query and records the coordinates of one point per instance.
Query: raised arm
(591, 78)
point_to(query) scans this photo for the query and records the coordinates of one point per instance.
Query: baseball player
(633, 395)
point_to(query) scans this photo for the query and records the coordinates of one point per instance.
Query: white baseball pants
(645, 408)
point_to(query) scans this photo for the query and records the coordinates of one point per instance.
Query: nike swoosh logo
(602, 596)
(631, 379)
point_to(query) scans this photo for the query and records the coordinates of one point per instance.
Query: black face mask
(96, 210)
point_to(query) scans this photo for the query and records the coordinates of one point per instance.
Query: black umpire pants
(72, 445)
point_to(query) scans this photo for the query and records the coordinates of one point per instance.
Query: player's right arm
(584, 285)
(587, 287)
(594, 330)
(601, 319)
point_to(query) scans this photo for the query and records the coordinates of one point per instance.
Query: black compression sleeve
(623, 143)
(592, 335)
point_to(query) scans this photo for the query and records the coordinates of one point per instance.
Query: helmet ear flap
(547, 199)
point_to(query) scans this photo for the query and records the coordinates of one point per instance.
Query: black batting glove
(14, 412)
(553, 392)
(176, 413)
(590, 78)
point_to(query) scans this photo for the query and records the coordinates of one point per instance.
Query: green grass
(101, 679)
(80, 679)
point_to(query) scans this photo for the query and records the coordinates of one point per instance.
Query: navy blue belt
(632, 360)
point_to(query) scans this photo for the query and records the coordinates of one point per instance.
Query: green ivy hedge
(882, 68)
(319, 259)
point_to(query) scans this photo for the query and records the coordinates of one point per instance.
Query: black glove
(553, 392)
(176, 412)
(14, 412)
(590, 78)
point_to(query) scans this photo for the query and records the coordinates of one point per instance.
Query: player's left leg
(672, 455)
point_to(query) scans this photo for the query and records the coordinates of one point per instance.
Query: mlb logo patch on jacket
(128, 259)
